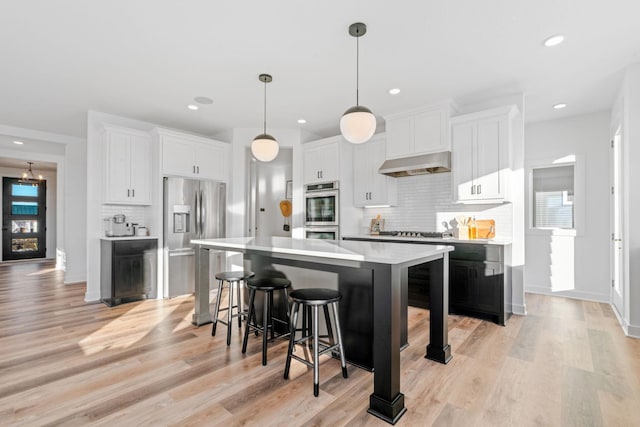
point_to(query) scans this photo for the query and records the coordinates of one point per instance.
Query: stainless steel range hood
(417, 165)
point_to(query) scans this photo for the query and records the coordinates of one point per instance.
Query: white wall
(574, 264)
(51, 202)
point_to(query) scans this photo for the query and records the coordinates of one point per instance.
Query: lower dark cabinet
(128, 270)
(476, 287)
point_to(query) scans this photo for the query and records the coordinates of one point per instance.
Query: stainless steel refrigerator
(193, 209)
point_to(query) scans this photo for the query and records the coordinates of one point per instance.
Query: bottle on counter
(473, 229)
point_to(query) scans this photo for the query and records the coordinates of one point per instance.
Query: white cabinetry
(481, 144)
(371, 188)
(193, 157)
(420, 131)
(128, 172)
(321, 160)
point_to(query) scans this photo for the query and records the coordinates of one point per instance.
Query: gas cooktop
(419, 234)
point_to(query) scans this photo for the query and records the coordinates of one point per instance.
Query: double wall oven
(322, 211)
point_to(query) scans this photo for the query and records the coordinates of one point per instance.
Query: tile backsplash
(425, 203)
(133, 213)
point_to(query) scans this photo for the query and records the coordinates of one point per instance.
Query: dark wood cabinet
(128, 270)
(477, 281)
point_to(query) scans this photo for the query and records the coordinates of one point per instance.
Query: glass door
(23, 219)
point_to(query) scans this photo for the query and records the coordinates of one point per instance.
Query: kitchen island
(384, 268)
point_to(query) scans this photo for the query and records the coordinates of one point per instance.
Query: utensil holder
(463, 232)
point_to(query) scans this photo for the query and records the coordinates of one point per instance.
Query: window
(553, 192)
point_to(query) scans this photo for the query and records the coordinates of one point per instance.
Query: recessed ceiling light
(394, 91)
(560, 106)
(192, 107)
(203, 100)
(302, 121)
(18, 142)
(554, 40)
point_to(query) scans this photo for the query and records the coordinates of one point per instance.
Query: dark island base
(390, 412)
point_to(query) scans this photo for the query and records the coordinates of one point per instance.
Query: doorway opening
(24, 212)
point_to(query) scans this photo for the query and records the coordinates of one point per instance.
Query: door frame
(616, 218)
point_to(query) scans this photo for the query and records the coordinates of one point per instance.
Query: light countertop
(377, 252)
(427, 240)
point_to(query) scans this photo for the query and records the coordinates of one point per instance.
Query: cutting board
(486, 228)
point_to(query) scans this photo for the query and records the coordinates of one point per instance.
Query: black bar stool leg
(238, 304)
(327, 320)
(215, 311)
(252, 314)
(343, 361)
(229, 312)
(316, 347)
(292, 337)
(265, 327)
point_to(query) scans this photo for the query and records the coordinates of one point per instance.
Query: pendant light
(358, 123)
(28, 176)
(264, 146)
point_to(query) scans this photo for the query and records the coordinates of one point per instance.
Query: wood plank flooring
(66, 362)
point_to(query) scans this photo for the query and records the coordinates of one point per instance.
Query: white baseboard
(519, 309)
(633, 331)
(588, 296)
(91, 297)
(71, 279)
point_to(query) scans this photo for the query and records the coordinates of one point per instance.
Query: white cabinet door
(463, 160)
(490, 146)
(178, 157)
(118, 167)
(480, 155)
(321, 161)
(128, 174)
(141, 170)
(212, 160)
(399, 137)
(370, 187)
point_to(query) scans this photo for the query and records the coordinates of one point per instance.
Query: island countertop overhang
(374, 252)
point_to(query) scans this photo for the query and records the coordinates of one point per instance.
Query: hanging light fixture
(28, 177)
(264, 146)
(358, 123)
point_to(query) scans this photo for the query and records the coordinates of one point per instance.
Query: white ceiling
(148, 59)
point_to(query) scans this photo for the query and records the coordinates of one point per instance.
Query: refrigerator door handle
(182, 253)
(203, 214)
(197, 216)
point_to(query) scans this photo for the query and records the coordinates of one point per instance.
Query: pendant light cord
(265, 107)
(358, 69)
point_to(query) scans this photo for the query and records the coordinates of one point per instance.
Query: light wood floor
(65, 362)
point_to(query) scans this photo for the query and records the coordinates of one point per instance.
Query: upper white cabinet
(193, 157)
(420, 131)
(371, 188)
(481, 144)
(128, 172)
(321, 160)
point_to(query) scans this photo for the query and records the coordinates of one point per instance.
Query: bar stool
(266, 285)
(233, 280)
(314, 298)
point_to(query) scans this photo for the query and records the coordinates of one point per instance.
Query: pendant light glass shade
(358, 124)
(264, 146)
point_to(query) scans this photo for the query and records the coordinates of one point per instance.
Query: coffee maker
(116, 226)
